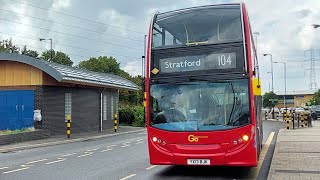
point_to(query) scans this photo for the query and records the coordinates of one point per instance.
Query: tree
(30, 53)
(8, 46)
(57, 57)
(267, 101)
(316, 98)
(102, 64)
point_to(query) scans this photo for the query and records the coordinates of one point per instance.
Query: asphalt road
(119, 157)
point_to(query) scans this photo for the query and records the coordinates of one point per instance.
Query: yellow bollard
(115, 122)
(306, 119)
(302, 119)
(287, 120)
(68, 126)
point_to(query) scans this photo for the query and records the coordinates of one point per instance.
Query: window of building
(67, 105)
(112, 110)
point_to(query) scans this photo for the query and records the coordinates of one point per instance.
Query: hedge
(132, 115)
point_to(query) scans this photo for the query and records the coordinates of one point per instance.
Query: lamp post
(43, 39)
(285, 81)
(272, 88)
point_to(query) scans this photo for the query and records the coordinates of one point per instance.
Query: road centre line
(59, 160)
(92, 149)
(66, 155)
(125, 145)
(106, 150)
(86, 154)
(4, 168)
(40, 160)
(127, 177)
(111, 146)
(7, 172)
(153, 166)
(140, 142)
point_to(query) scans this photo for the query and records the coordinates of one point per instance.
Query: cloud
(284, 27)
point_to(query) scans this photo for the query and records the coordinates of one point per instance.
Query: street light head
(265, 54)
(42, 39)
(315, 25)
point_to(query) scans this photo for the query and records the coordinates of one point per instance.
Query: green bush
(138, 116)
(132, 115)
(126, 115)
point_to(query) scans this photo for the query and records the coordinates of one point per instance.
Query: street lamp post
(272, 88)
(285, 82)
(43, 39)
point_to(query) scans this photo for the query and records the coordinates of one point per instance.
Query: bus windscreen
(200, 106)
(209, 25)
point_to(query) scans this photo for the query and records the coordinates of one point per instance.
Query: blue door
(3, 114)
(27, 107)
(13, 110)
(16, 109)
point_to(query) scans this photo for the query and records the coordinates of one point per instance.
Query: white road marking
(148, 168)
(86, 154)
(127, 177)
(143, 133)
(6, 172)
(4, 168)
(59, 160)
(23, 165)
(139, 142)
(125, 145)
(106, 150)
(92, 149)
(139, 139)
(66, 155)
(40, 160)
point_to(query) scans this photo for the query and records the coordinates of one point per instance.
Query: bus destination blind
(198, 62)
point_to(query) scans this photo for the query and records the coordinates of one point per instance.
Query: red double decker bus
(203, 98)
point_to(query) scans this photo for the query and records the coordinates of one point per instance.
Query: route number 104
(224, 60)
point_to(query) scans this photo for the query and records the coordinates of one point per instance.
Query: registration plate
(198, 162)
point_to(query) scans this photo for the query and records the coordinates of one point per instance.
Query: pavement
(297, 154)
(62, 139)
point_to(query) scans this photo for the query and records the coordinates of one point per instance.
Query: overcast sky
(116, 28)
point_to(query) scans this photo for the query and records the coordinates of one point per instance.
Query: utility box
(37, 115)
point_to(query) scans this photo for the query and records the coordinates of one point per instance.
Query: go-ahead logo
(193, 138)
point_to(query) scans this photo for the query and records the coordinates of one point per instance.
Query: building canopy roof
(296, 92)
(68, 74)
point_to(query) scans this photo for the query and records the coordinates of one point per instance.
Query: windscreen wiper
(196, 43)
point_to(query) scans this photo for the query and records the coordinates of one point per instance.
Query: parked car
(298, 110)
(315, 110)
(283, 110)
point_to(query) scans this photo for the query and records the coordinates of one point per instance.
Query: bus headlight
(245, 137)
(154, 139)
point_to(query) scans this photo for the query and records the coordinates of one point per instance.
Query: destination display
(198, 62)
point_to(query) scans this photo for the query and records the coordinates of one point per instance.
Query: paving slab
(297, 154)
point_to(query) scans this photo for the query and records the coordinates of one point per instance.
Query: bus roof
(168, 13)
